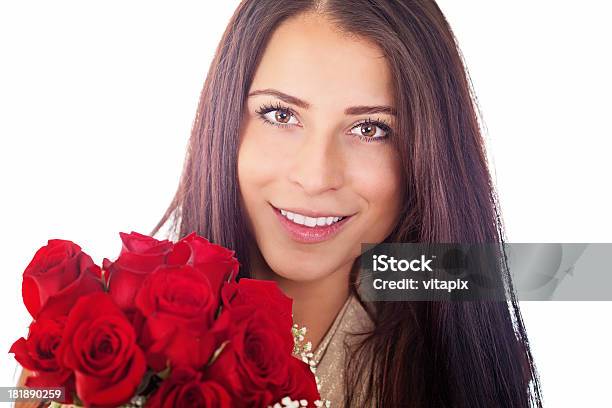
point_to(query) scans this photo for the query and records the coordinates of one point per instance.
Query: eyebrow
(353, 110)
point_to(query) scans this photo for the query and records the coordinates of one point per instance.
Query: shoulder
(353, 323)
(357, 319)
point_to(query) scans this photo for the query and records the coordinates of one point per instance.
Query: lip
(309, 235)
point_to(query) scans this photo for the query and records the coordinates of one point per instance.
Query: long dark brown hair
(419, 354)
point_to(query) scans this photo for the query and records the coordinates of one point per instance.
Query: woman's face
(315, 146)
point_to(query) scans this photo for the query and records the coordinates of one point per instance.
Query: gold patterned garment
(329, 357)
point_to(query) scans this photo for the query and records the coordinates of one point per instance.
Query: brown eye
(282, 116)
(279, 117)
(367, 129)
(370, 130)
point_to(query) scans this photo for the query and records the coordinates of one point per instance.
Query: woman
(356, 112)
(326, 124)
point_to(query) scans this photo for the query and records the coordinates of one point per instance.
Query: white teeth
(309, 221)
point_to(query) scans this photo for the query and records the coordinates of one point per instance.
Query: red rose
(255, 363)
(139, 256)
(263, 295)
(179, 307)
(217, 262)
(58, 270)
(99, 345)
(186, 388)
(300, 384)
(37, 353)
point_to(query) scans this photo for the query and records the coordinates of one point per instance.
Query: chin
(296, 271)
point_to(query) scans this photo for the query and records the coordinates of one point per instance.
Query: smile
(307, 226)
(309, 221)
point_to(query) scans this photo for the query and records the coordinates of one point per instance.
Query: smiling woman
(323, 125)
(314, 147)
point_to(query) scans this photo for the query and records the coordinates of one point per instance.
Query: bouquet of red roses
(165, 324)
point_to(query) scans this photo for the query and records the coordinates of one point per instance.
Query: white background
(97, 101)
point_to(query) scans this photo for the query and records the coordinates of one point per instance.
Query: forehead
(308, 57)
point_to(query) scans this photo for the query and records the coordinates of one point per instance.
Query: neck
(315, 303)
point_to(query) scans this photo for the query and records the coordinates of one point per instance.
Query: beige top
(329, 355)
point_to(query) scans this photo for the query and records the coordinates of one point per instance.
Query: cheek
(377, 180)
(259, 161)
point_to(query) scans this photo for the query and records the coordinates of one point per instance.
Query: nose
(318, 165)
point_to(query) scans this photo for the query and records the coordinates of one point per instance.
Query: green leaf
(165, 373)
(77, 400)
(145, 382)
